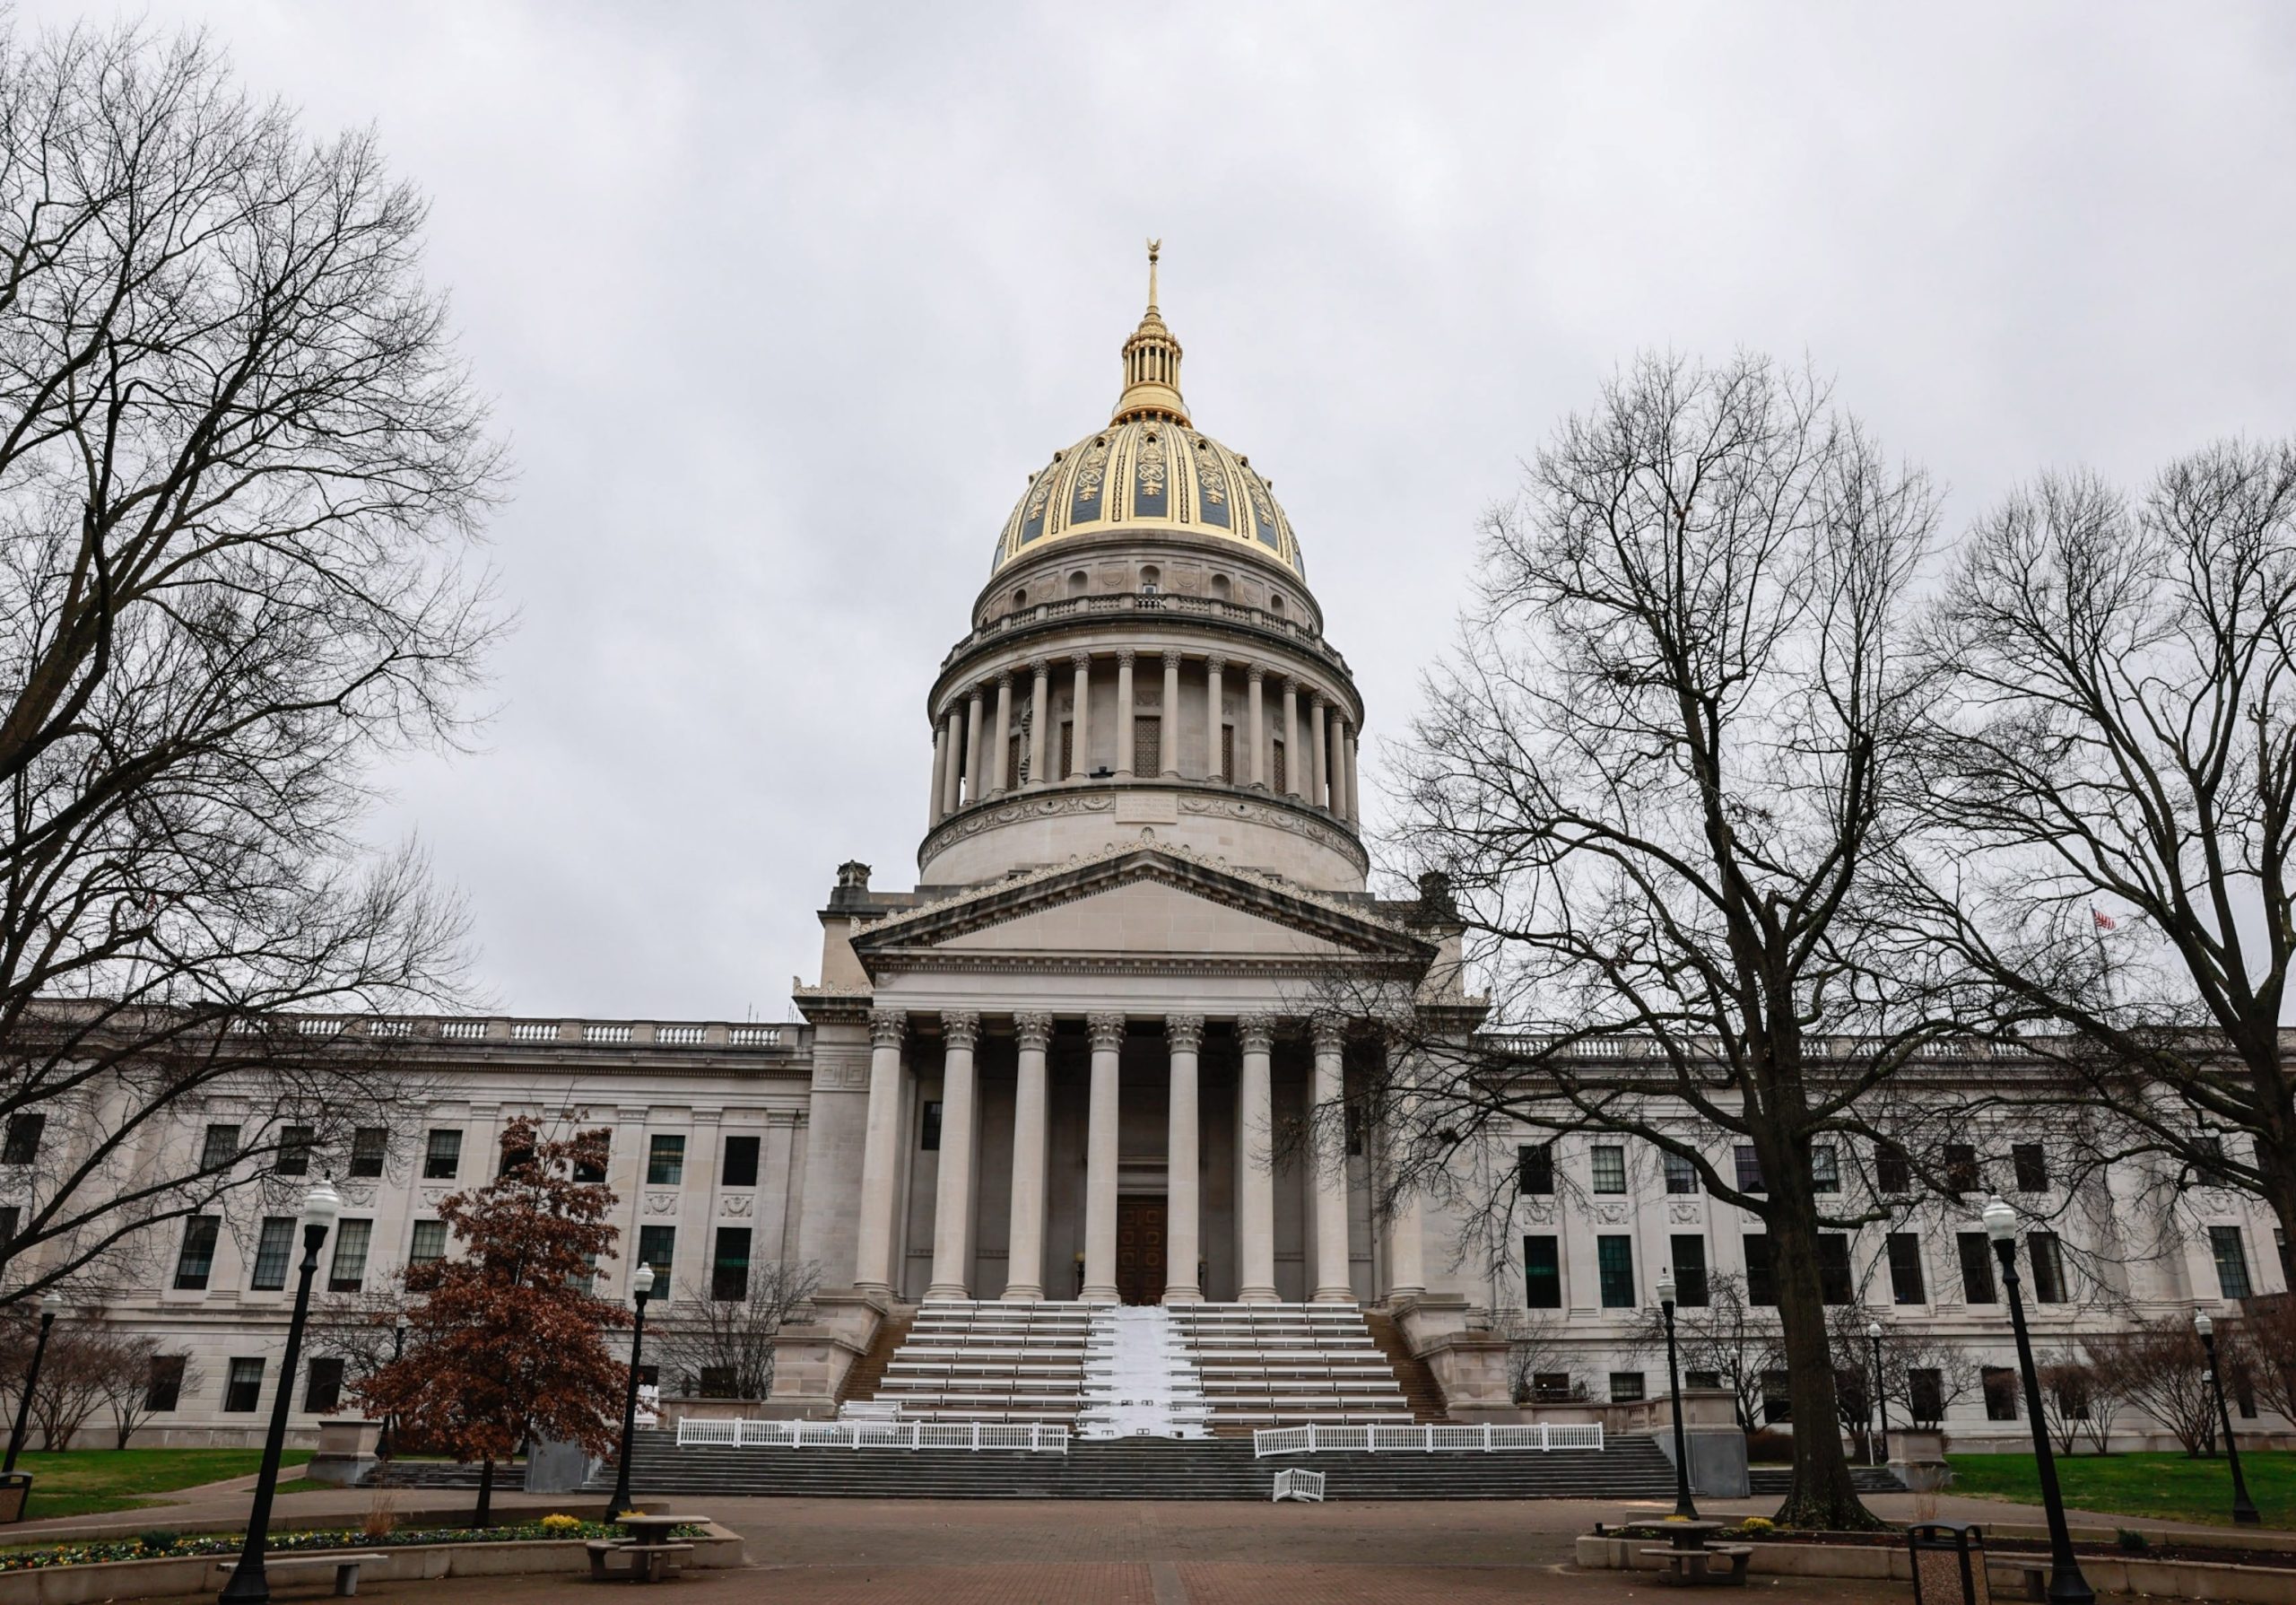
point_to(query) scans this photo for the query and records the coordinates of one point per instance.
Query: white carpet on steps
(1139, 1380)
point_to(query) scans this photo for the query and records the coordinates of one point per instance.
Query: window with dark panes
(1926, 1396)
(429, 1242)
(443, 1154)
(1614, 1264)
(2231, 1261)
(514, 1156)
(196, 1258)
(322, 1386)
(1977, 1268)
(1961, 1174)
(1776, 1397)
(740, 1169)
(1907, 1286)
(2048, 1256)
(220, 1148)
(1550, 1387)
(1689, 1251)
(657, 1247)
(2000, 1385)
(243, 1387)
(1834, 1282)
(1825, 1168)
(1609, 1167)
(2208, 1159)
(1535, 1168)
(11, 1216)
(296, 1145)
(1227, 752)
(1543, 1273)
(1276, 765)
(591, 1171)
(1626, 1387)
(273, 1242)
(2031, 1165)
(1682, 1175)
(665, 1160)
(928, 1127)
(22, 1144)
(716, 1382)
(729, 1272)
(1749, 1168)
(1701, 1379)
(1762, 1284)
(1147, 745)
(346, 1271)
(163, 1384)
(370, 1146)
(1892, 1171)
(1353, 1109)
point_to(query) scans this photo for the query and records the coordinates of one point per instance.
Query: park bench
(345, 1568)
(1721, 1565)
(2033, 1570)
(647, 1563)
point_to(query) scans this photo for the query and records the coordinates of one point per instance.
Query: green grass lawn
(2166, 1486)
(91, 1479)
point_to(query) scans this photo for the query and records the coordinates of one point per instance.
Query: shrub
(159, 1541)
(2133, 1541)
(1755, 1526)
(561, 1525)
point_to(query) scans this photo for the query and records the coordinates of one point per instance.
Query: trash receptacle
(1949, 1564)
(15, 1488)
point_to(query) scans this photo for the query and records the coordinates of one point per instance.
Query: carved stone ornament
(961, 1030)
(1256, 1031)
(886, 1026)
(1184, 1033)
(1106, 1030)
(1611, 1214)
(994, 815)
(1034, 1030)
(1539, 1214)
(432, 1197)
(1682, 1212)
(661, 1203)
(1279, 818)
(361, 1193)
(738, 1204)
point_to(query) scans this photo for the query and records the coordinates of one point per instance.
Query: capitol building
(1048, 1074)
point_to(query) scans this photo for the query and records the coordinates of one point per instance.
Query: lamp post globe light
(641, 1285)
(1683, 1508)
(2244, 1509)
(2066, 1581)
(1881, 1397)
(321, 1205)
(48, 1314)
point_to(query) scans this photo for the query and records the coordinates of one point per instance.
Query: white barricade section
(1034, 1437)
(1422, 1440)
(1299, 1485)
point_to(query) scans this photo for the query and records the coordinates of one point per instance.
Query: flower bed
(164, 1546)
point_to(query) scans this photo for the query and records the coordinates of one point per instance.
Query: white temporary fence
(1423, 1440)
(875, 1435)
(1299, 1485)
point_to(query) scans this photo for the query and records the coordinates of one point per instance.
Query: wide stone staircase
(1290, 1365)
(967, 1360)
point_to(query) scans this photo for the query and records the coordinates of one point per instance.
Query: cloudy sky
(780, 305)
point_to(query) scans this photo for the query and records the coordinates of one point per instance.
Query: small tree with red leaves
(505, 1342)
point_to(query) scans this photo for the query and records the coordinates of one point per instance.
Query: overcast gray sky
(781, 305)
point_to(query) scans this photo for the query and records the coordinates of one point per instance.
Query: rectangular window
(1761, 1286)
(928, 1125)
(1977, 1268)
(11, 1215)
(1614, 1262)
(1626, 1387)
(273, 1244)
(1275, 765)
(163, 1385)
(196, 1258)
(1825, 1168)
(729, 1273)
(1610, 1168)
(2000, 1384)
(1906, 1285)
(2208, 1159)
(1701, 1379)
(1834, 1282)
(243, 1387)
(22, 1145)
(296, 1145)
(443, 1154)
(1228, 752)
(665, 1161)
(1543, 1273)
(594, 1171)
(1534, 1169)
(1682, 1175)
(2032, 1166)
(221, 1147)
(347, 1272)
(1749, 1168)
(1892, 1171)
(323, 1387)
(369, 1146)
(1926, 1395)
(1962, 1173)
(429, 1242)
(1550, 1387)
(740, 1169)
(1776, 1397)
(716, 1382)
(1015, 760)
(2231, 1261)
(1147, 745)
(1689, 1269)
(1067, 746)
(2049, 1267)
(513, 1158)
(657, 1247)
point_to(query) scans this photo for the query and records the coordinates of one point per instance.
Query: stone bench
(648, 1563)
(345, 1566)
(1722, 1565)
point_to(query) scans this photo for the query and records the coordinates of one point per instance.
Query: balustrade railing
(972, 1435)
(1486, 1439)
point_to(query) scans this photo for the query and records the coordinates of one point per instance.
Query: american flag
(2104, 922)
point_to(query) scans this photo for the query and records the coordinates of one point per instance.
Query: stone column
(1354, 803)
(1183, 1172)
(1214, 769)
(975, 772)
(1329, 1154)
(1255, 1187)
(1000, 740)
(1124, 715)
(1338, 804)
(1167, 756)
(1079, 759)
(934, 811)
(1024, 1264)
(953, 1200)
(1107, 1032)
(952, 791)
(1291, 737)
(1318, 774)
(1040, 720)
(1258, 769)
(873, 1270)
(1406, 1248)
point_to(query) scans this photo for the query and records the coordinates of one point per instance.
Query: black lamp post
(383, 1448)
(321, 1205)
(1683, 1506)
(2066, 1581)
(641, 1284)
(1881, 1397)
(31, 1381)
(2244, 1509)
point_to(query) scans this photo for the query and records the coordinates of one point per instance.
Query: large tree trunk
(485, 1516)
(1822, 1495)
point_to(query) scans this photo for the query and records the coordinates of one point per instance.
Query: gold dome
(1150, 469)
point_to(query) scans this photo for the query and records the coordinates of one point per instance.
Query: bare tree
(2068, 1396)
(2268, 1327)
(722, 1337)
(2111, 794)
(239, 461)
(1736, 1342)
(1654, 772)
(75, 1375)
(2160, 1367)
(128, 1378)
(1537, 1353)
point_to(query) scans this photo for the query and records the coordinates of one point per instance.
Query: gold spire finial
(1152, 362)
(1155, 246)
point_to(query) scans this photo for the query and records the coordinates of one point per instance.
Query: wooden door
(1140, 1250)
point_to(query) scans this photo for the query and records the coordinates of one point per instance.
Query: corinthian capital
(1329, 1031)
(1106, 1031)
(887, 1026)
(960, 1029)
(1184, 1033)
(1257, 1033)
(1035, 1031)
